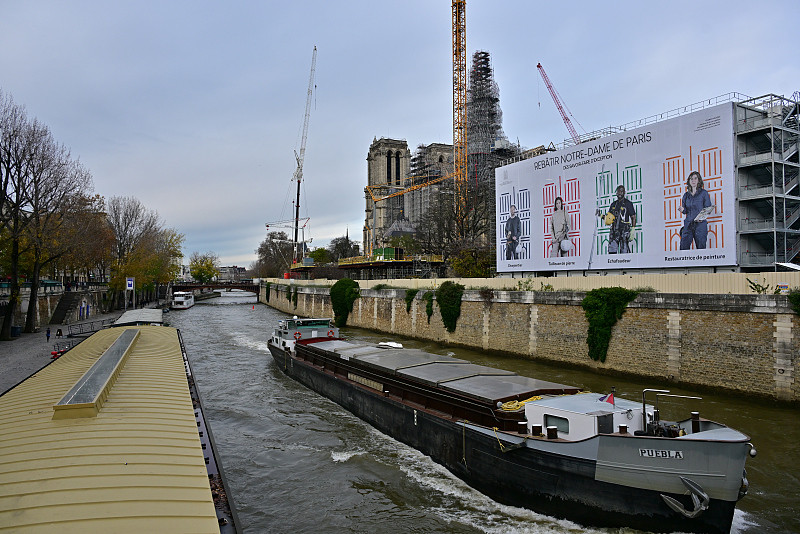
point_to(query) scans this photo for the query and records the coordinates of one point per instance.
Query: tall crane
(459, 8)
(459, 174)
(575, 137)
(298, 172)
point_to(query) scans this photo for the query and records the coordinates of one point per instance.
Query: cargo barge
(552, 448)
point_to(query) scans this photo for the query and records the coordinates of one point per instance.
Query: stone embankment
(741, 343)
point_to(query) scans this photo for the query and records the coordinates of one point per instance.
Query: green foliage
(794, 299)
(268, 286)
(379, 287)
(448, 297)
(645, 289)
(203, 267)
(428, 298)
(763, 288)
(410, 294)
(603, 307)
(320, 255)
(343, 294)
(526, 284)
(473, 263)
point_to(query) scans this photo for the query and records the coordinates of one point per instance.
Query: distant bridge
(217, 286)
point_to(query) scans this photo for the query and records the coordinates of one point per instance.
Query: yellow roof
(135, 466)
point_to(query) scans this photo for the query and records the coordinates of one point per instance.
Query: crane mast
(567, 122)
(298, 173)
(459, 8)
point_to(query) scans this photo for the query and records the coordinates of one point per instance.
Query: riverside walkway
(24, 355)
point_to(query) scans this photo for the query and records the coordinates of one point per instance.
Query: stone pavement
(25, 355)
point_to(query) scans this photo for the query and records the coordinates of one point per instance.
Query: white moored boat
(182, 300)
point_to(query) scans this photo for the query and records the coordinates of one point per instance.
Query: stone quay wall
(742, 343)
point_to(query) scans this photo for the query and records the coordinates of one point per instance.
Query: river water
(297, 462)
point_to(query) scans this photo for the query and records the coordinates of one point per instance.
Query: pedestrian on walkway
(58, 333)
(48, 334)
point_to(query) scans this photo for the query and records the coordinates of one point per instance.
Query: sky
(196, 107)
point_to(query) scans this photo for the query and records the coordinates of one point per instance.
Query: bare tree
(56, 188)
(39, 180)
(13, 202)
(274, 254)
(133, 225)
(342, 247)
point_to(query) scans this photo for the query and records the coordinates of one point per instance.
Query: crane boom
(567, 122)
(298, 172)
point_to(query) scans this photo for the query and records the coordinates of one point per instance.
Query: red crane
(570, 127)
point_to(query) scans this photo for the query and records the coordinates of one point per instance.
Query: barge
(593, 459)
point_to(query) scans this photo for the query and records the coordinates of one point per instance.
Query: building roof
(135, 466)
(152, 316)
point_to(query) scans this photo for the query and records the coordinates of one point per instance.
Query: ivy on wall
(794, 299)
(410, 294)
(268, 286)
(343, 294)
(428, 298)
(603, 308)
(294, 297)
(448, 297)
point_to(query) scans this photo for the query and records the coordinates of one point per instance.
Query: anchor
(699, 498)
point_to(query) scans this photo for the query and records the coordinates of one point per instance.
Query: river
(297, 462)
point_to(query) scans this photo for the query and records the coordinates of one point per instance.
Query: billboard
(661, 195)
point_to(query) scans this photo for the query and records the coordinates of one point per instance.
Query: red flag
(607, 398)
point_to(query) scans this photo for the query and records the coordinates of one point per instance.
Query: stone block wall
(743, 343)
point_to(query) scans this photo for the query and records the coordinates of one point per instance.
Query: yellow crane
(459, 174)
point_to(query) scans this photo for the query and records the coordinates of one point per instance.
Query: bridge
(217, 286)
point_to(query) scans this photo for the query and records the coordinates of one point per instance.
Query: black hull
(551, 484)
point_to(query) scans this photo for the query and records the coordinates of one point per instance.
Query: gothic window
(389, 167)
(397, 168)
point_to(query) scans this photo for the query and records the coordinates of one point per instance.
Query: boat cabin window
(309, 323)
(561, 423)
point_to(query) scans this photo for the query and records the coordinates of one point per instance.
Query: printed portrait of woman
(695, 206)
(559, 230)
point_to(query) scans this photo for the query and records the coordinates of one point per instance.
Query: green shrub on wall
(428, 298)
(603, 307)
(343, 294)
(410, 294)
(794, 299)
(268, 285)
(448, 297)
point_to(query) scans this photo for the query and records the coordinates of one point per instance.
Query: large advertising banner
(660, 195)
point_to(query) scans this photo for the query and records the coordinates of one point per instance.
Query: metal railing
(431, 258)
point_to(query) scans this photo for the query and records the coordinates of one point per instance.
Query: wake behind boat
(597, 460)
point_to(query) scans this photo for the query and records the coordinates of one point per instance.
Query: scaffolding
(488, 145)
(768, 182)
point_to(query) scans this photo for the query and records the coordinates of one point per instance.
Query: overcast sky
(196, 107)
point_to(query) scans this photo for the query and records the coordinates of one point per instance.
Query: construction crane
(575, 137)
(459, 8)
(459, 174)
(298, 172)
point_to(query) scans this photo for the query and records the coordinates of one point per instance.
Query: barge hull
(552, 484)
